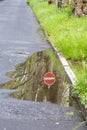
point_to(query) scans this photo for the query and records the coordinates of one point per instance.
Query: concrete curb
(66, 66)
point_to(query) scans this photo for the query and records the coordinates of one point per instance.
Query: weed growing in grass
(80, 87)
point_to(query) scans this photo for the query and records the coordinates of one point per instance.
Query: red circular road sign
(49, 78)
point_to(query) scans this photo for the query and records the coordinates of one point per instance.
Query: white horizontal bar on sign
(49, 78)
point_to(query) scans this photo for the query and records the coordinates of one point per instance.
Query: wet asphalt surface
(20, 37)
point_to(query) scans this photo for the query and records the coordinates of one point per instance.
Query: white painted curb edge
(66, 66)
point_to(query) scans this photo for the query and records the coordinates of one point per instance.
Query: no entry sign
(49, 78)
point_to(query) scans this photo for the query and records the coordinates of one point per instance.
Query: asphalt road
(20, 36)
(27, 115)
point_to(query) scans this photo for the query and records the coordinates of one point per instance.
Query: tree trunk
(79, 8)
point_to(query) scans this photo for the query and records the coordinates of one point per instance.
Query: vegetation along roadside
(68, 33)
